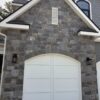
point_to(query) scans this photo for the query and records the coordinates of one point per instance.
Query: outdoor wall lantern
(88, 61)
(14, 58)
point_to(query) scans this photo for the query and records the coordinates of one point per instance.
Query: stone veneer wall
(43, 37)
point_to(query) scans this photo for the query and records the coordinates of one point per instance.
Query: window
(85, 6)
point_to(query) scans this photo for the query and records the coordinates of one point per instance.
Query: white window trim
(16, 4)
(1, 82)
(54, 15)
(90, 9)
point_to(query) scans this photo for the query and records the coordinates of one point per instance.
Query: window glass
(86, 12)
(84, 6)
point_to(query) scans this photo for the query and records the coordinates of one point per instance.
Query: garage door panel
(37, 85)
(36, 75)
(37, 96)
(65, 72)
(63, 60)
(37, 60)
(37, 71)
(67, 96)
(66, 85)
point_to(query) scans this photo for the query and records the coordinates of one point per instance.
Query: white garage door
(98, 77)
(52, 77)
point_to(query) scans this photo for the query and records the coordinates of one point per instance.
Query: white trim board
(54, 15)
(16, 4)
(94, 34)
(14, 26)
(1, 82)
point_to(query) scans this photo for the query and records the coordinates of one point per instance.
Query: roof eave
(93, 34)
(15, 26)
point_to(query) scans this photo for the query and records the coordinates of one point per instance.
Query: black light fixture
(14, 58)
(88, 61)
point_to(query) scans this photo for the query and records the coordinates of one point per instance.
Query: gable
(69, 2)
(40, 18)
(78, 11)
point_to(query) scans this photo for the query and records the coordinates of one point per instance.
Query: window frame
(89, 10)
